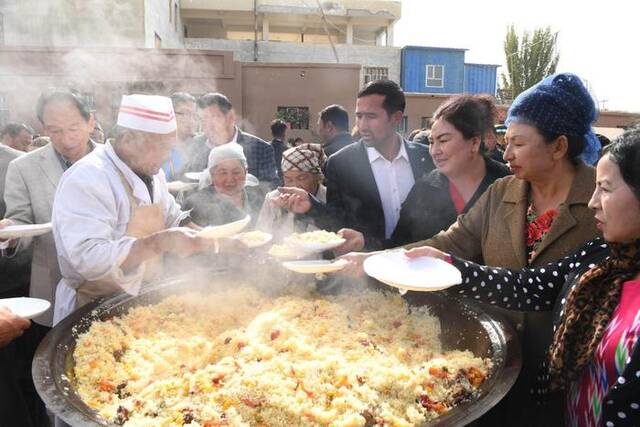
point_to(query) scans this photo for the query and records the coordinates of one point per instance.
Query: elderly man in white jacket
(113, 215)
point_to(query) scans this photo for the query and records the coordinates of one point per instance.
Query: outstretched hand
(293, 199)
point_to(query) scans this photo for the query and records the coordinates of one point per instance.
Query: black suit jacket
(353, 200)
(336, 144)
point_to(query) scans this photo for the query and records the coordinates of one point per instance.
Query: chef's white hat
(147, 113)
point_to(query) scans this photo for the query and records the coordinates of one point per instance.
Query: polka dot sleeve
(529, 289)
(621, 406)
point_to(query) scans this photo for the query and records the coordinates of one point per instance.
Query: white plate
(315, 266)
(287, 252)
(263, 238)
(421, 274)
(29, 230)
(314, 246)
(195, 175)
(178, 186)
(224, 230)
(26, 307)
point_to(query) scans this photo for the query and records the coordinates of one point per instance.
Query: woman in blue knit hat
(534, 217)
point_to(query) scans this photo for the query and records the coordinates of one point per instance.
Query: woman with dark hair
(463, 171)
(594, 296)
(533, 217)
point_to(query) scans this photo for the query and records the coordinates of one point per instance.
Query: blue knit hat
(559, 104)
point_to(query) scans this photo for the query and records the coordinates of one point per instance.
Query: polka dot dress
(545, 288)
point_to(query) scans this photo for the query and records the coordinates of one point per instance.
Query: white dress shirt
(90, 216)
(394, 180)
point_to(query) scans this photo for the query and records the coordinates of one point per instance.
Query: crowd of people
(519, 197)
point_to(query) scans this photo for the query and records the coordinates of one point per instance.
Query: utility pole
(326, 30)
(255, 30)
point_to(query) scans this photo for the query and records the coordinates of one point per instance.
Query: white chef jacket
(394, 180)
(91, 211)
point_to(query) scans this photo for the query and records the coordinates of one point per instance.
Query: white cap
(229, 151)
(147, 113)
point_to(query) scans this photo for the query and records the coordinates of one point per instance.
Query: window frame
(369, 72)
(427, 78)
(296, 115)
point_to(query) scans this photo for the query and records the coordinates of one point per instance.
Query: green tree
(530, 58)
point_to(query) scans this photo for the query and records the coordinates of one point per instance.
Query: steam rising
(93, 46)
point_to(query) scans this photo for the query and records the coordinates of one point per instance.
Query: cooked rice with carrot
(238, 357)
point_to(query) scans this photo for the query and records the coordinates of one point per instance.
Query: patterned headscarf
(305, 158)
(560, 104)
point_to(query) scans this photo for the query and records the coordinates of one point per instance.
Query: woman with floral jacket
(594, 295)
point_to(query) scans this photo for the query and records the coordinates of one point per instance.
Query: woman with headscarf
(594, 296)
(463, 169)
(227, 193)
(536, 216)
(302, 168)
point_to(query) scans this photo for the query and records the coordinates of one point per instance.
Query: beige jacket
(7, 154)
(31, 183)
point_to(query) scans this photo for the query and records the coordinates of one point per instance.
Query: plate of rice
(315, 241)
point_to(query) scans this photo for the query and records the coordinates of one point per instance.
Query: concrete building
(259, 92)
(299, 31)
(91, 23)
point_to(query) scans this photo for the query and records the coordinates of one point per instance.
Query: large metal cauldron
(464, 326)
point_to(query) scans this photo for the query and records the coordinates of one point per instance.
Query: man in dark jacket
(333, 128)
(368, 180)
(279, 134)
(218, 121)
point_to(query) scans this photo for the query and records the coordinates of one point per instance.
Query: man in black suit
(367, 181)
(333, 128)
(218, 120)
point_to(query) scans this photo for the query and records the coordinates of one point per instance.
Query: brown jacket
(492, 232)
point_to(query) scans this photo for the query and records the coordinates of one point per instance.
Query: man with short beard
(367, 181)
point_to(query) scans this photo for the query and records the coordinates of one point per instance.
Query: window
(404, 125)
(4, 109)
(425, 122)
(375, 73)
(435, 76)
(298, 117)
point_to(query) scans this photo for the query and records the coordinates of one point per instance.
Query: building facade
(436, 70)
(276, 31)
(259, 92)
